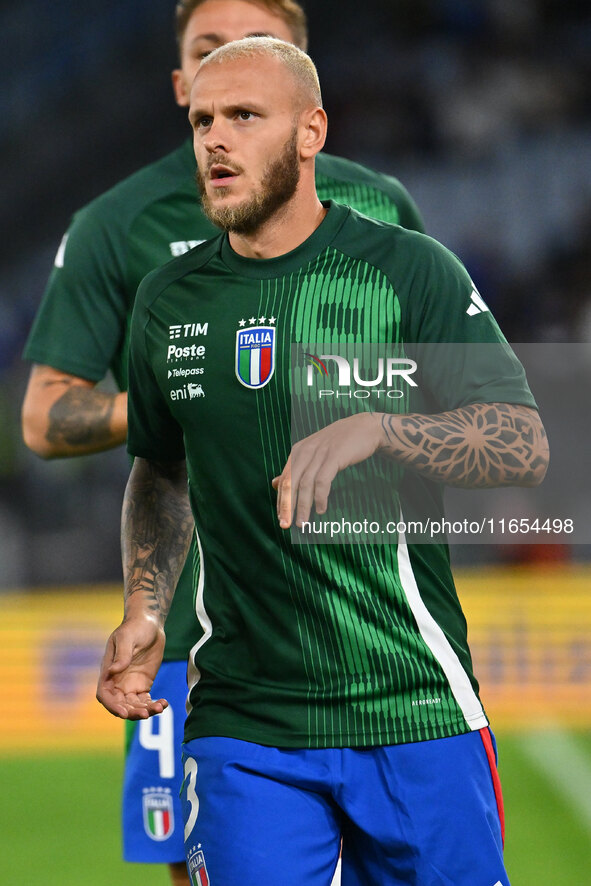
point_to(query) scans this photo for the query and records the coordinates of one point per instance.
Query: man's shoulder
(161, 278)
(389, 245)
(165, 177)
(374, 193)
(340, 169)
(359, 229)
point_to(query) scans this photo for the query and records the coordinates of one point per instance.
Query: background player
(81, 331)
(331, 688)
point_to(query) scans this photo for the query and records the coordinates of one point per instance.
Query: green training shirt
(310, 645)
(82, 325)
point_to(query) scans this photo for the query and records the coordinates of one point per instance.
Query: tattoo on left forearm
(477, 446)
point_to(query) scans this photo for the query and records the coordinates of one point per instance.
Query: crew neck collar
(265, 268)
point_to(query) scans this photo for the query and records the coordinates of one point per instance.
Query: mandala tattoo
(477, 446)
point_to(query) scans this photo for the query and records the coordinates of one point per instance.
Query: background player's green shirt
(82, 325)
(309, 645)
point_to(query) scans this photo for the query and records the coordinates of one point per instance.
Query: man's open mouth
(219, 173)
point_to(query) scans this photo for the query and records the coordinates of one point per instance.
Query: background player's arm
(64, 415)
(156, 532)
(482, 445)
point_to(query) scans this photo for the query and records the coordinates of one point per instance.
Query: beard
(281, 175)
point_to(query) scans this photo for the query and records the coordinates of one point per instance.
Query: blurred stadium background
(483, 109)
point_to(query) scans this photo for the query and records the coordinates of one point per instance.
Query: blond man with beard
(331, 693)
(81, 331)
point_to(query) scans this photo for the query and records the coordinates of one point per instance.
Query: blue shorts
(425, 813)
(152, 814)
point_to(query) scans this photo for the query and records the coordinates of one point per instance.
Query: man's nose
(217, 138)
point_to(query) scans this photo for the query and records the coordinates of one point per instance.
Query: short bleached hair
(297, 62)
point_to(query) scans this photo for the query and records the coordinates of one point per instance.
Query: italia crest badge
(255, 352)
(197, 868)
(158, 813)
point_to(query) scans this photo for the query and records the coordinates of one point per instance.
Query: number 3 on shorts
(192, 798)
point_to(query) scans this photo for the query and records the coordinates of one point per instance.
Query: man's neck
(285, 230)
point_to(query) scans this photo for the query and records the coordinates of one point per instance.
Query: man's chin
(223, 213)
(221, 198)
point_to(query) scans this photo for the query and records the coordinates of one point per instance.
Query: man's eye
(245, 115)
(202, 122)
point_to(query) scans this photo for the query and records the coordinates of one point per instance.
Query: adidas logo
(478, 306)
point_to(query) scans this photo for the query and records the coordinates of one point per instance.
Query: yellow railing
(529, 631)
(530, 634)
(51, 645)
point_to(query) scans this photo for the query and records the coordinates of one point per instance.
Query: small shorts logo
(158, 813)
(197, 869)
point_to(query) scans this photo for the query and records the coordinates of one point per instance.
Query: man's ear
(179, 88)
(314, 124)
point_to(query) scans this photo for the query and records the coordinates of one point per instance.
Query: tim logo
(255, 356)
(381, 381)
(197, 868)
(187, 330)
(158, 813)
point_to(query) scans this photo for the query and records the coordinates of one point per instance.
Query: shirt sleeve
(81, 322)
(153, 432)
(462, 355)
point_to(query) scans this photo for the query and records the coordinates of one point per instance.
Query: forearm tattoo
(81, 418)
(477, 446)
(157, 527)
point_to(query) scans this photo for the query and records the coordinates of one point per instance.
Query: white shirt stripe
(439, 645)
(193, 672)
